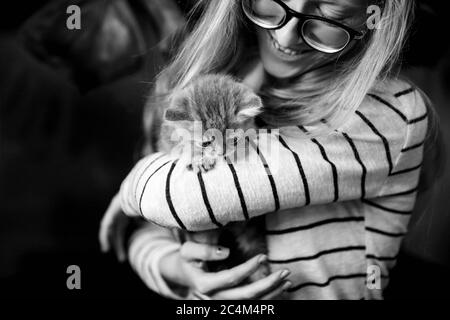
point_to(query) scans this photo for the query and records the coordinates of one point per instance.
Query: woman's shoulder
(395, 111)
(398, 96)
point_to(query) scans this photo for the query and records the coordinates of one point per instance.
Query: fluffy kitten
(218, 103)
(196, 121)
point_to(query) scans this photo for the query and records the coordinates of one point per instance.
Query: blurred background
(70, 130)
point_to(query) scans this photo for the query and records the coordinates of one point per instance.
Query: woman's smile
(287, 53)
(282, 61)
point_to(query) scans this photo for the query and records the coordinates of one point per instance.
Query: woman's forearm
(289, 171)
(169, 267)
(153, 253)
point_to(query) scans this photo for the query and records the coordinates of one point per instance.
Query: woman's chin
(280, 71)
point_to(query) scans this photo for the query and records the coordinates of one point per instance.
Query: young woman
(338, 196)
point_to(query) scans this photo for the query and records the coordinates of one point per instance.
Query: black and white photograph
(179, 151)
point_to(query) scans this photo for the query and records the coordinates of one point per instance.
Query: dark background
(70, 130)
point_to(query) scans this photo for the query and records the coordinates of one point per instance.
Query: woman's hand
(184, 267)
(112, 229)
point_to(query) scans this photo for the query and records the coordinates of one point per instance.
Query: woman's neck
(253, 76)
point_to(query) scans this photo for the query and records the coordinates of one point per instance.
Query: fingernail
(287, 285)
(221, 251)
(262, 259)
(284, 274)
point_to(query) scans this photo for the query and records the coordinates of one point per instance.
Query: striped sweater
(336, 205)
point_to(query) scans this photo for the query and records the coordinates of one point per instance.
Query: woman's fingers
(266, 286)
(103, 238)
(277, 291)
(107, 224)
(112, 229)
(104, 231)
(193, 252)
(212, 282)
(120, 226)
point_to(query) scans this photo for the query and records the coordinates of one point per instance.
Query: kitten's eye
(206, 144)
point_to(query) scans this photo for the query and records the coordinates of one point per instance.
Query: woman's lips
(293, 53)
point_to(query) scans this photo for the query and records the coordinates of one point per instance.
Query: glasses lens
(265, 13)
(324, 36)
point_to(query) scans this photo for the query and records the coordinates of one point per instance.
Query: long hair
(222, 41)
(218, 38)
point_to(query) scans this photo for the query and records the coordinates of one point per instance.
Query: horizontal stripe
(404, 92)
(401, 115)
(374, 257)
(403, 193)
(407, 170)
(328, 282)
(394, 211)
(331, 279)
(385, 233)
(413, 121)
(390, 106)
(315, 225)
(319, 254)
(416, 146)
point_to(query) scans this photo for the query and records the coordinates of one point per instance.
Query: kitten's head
(219, 103)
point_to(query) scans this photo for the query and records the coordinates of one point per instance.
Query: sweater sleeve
(387, 216)
(148, 246)
(283, 169)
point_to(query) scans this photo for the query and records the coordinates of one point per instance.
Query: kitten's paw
(196, 165)
(203, 164)
(208, 162)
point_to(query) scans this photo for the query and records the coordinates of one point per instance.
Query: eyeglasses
(319, 33)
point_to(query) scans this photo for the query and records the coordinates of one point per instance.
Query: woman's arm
(291, 171)
(173, 270)
(147, 247)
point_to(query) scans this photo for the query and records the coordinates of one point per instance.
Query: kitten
(214, 104)
(218, 103)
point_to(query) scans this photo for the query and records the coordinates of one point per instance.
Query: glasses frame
(303, 18)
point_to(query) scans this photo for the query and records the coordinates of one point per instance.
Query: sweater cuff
(161, 284)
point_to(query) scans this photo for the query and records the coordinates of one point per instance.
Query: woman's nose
(288, 35)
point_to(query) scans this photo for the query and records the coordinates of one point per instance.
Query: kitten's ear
(178, 111)
(251, 107)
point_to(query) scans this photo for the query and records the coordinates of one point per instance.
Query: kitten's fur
(218, 102)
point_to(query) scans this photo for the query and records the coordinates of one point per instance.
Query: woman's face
(284, 54)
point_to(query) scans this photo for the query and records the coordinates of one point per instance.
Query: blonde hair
(336, 91)
(216, 43)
